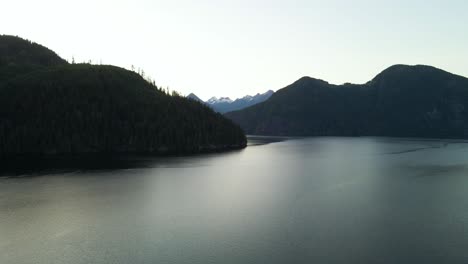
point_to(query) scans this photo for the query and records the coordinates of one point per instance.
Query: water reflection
(319, 200)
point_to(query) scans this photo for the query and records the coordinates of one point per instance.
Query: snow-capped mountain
(222, 100)
(247, 98)
(225, 104)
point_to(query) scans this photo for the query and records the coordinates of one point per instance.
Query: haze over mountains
(48, 106)
(402, 101)
(225, 104)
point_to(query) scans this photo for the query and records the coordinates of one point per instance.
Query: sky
(233, 48)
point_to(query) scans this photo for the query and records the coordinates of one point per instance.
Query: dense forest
(48, 106)
(19, 56)
(402, 101)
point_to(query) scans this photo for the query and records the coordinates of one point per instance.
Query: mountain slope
(19, 56)
(248, 101)
(220, 105)
(82, 108)
(194, 97)
(406, 101)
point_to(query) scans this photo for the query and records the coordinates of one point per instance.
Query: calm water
(322, 200)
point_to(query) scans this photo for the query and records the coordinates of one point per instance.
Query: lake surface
(316, 200)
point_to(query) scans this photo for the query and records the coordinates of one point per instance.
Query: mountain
(402, 101)
(221, 100)
(194, 97)
(248, 100)
(220, 105)
(225, 104)
(19, 56)
(48, 106)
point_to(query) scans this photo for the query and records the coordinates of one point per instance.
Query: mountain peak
(19, 56)
(194, 97)
(225, 104)
(307, 80)
(400, 70)
(215, 100)
(248, 97)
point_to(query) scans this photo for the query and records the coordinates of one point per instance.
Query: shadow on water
(22, 166)
(42, 165)
(254, 140)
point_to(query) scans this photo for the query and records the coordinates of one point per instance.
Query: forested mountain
(21, 56)
(225, 104)
(402, 101)
(48, 106)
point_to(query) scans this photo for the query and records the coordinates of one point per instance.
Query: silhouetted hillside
(82, 108)
(404, 101)
(19, 56)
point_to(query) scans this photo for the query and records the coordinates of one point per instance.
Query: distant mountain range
(225, 104)
(402, 101)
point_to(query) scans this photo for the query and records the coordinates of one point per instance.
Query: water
(318, 200)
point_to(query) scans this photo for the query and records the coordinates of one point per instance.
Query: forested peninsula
(51, 107)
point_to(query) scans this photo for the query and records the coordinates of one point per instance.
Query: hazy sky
(233, 48)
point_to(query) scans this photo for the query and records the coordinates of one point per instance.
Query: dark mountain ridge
(21, 56)
(48, 106)
(401, 101)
